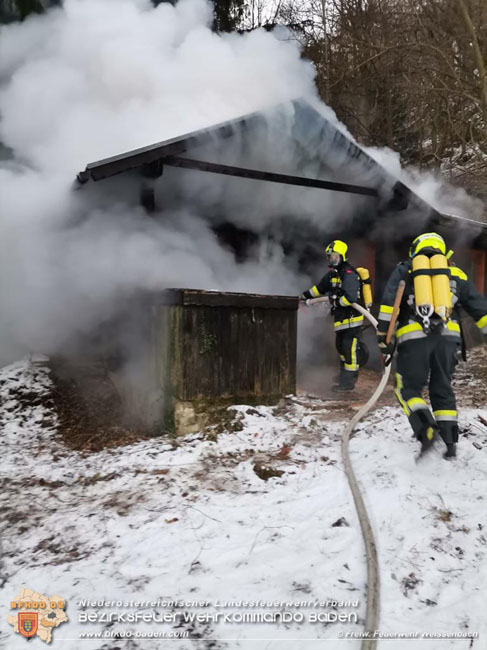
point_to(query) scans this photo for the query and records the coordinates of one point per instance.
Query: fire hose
(373, 584)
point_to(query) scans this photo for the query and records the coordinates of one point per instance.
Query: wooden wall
(233, 349)
(479, 258)
(199, 349)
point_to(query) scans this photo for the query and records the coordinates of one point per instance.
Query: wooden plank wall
(220, 352)
(474, 263)
(479, 270)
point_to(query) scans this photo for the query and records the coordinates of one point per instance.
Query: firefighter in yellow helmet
(342, 285)
(428, 336)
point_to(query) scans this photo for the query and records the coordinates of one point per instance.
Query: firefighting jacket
(342, 285)
(409, 323)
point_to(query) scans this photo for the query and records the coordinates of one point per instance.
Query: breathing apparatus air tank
(441, 287)
(366, 286)
(423, 287)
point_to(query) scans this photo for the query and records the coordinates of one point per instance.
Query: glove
(386, 348)
(334, 301)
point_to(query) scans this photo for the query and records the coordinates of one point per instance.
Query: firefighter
(428, 336)
(342, 286)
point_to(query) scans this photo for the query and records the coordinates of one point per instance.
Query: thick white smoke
(96, 78)
(93, 79)
(430, 186)
(100, 77)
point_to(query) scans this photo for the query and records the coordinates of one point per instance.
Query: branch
(478, 56)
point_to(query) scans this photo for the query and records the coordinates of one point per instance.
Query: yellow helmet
(337, 246)
(428, 240)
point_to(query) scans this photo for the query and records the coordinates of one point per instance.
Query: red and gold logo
(37, 614)
(28, 623)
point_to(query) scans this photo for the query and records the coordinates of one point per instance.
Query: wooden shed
(305, 149)
(198, 349)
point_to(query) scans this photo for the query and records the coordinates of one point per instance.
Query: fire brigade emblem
(37, 614)
(28, 623)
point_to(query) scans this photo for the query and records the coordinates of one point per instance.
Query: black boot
(346, 383)
(426, 437)
(451, 451)
(337, 379)
(449, 434)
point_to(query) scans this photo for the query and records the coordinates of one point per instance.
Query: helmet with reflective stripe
(337, 246)
(428, 242)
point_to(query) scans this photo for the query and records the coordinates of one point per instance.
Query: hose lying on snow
(373, 585)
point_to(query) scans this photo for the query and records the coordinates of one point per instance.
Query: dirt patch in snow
(316, 394)
(19, 399)
(89, 409)
(469, 383)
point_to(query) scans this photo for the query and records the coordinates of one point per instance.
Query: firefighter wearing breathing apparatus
(342, 285)
(428, 336)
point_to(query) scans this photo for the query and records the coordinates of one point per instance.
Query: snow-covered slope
(205, 521)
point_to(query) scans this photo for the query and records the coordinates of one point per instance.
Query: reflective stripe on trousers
(353, 366)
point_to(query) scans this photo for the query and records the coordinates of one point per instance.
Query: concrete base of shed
(187, 419)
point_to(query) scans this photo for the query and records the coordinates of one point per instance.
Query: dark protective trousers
(419, 361)
(348, 346)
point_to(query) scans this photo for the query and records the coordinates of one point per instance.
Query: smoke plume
(95, 78)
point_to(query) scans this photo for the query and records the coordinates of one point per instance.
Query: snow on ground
(205, 521)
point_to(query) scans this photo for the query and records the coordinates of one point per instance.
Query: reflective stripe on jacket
(342, 282)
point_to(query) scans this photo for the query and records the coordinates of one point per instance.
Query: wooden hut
(176, 355)
(238, 347)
